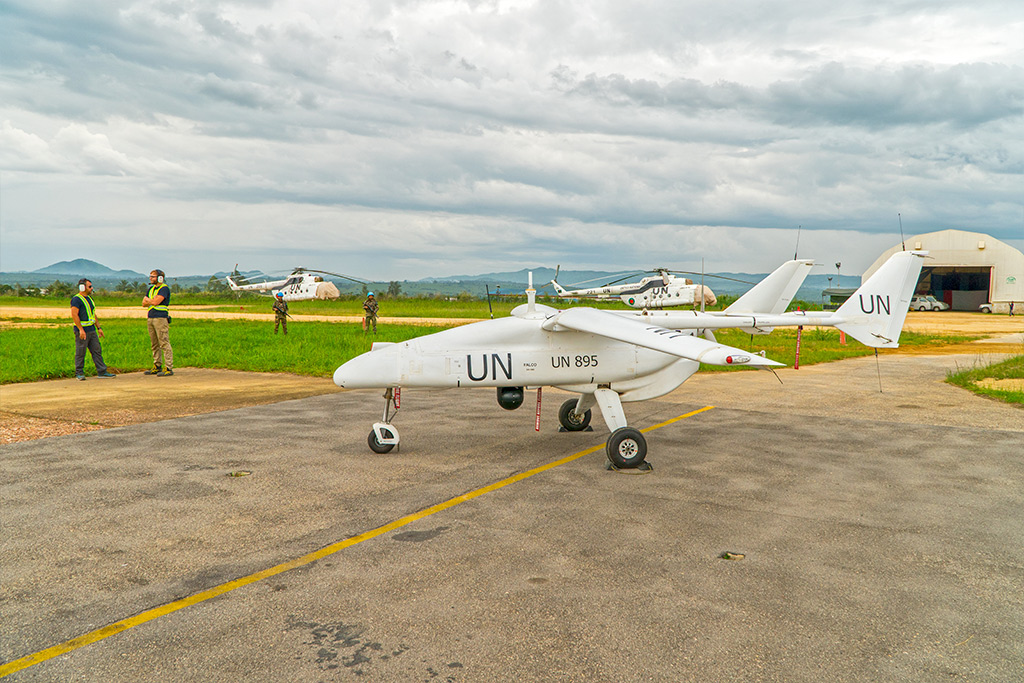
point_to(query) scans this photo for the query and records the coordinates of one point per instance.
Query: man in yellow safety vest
(87, 331)
(158, 321)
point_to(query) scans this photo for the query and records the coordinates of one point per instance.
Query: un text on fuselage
(495, 366)
(496, 362)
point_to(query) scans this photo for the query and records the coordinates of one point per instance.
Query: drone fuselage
(508, 352)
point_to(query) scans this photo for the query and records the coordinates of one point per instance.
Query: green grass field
(969, 378)
(315, 348)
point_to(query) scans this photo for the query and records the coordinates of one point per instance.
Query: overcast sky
(396, 139)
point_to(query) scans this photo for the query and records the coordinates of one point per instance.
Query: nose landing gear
(383, 437)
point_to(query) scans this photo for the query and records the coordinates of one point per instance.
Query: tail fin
(874, 315)
(559, 289)
(774, 293)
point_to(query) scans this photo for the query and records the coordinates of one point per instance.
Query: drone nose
(372, 370)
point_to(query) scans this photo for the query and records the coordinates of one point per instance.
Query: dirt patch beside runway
(67, 406)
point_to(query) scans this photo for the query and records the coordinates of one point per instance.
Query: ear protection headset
(81, 284)
(159, 275)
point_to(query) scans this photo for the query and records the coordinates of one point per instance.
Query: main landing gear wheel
(570, 420)
(378, 447)
(626, 448)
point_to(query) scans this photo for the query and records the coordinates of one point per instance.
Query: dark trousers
(282, 321)
(91, 342)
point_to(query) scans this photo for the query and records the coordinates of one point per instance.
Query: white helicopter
(302, 285)
(657, 291)
(612, 357)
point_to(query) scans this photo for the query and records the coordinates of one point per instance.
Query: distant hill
(83, 267)
(101, 276)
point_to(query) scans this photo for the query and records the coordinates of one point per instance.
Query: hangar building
(966, 270)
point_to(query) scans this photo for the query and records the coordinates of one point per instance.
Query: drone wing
(674, 342)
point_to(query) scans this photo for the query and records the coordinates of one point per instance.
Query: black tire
(378, 447)
(626, 448)
(568, 419)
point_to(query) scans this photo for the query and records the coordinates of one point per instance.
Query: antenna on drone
(902, 241)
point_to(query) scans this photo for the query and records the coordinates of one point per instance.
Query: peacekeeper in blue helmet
(280, 312)
(370, 307)
(87, 331)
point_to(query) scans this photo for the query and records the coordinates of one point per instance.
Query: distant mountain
(83, 267)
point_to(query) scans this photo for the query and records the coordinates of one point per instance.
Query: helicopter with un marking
(663, 290)
(614, 357)
(303, 284)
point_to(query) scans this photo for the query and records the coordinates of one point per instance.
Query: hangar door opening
(964, 288)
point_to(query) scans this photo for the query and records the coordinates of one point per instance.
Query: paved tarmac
(881, 535)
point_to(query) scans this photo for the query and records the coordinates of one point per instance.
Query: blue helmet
(369, 294)
(279, 294)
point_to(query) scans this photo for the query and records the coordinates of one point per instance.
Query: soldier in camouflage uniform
(280, 313)
(370, 306)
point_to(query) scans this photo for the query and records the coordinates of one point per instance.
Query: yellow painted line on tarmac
(202, 596)
(676, 419)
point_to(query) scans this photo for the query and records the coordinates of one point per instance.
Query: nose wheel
(383, 437)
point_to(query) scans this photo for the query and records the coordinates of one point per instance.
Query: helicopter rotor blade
(720, 277)
(327, 272)
(594, 279)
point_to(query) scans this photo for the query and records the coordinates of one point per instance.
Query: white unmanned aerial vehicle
(657, 291)
(611, 357)
(301, 285)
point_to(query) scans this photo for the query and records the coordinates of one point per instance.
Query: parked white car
(927, 302)
(985, 308)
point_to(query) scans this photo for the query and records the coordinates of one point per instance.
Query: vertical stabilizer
(774, 293)
(874, 315)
